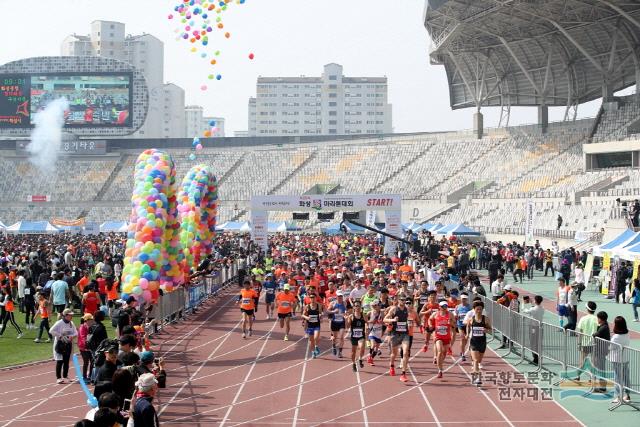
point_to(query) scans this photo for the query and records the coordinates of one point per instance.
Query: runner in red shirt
(443, 322)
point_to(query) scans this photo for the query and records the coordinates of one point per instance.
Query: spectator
(548, 262)
(144, 414)
(588, 325)
(85, 423)
(621, 283)
(620, 359)
(86, 322)
(150, 365)
(578, 272)
(43, 312)
(601, 339)
(22, 284)
(123, 384)
(536, 312)
(63, 332)
(90, 299)
(572, 307)
(9, 307)
(107, 400)
(634, 300)
(60, 294)
(29, 305)
(106, 370)
(497, 288)
(559, 222)
(127, 345)
(97, 331)
(105, 417)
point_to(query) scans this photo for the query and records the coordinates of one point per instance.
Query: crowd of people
(340, 287)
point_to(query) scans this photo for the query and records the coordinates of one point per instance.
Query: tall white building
(332, 104)
(197, 123)
(146, 53)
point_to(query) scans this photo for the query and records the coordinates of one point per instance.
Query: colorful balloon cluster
(197, 212)
(198, 18)
(154, 256)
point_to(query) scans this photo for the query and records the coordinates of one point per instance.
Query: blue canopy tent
(277, 227)
(434, 228)
(620, 241)
(32, 227)
(413, 226)
(444, 229)
(2, 226)
(462, 230)
(114, 227)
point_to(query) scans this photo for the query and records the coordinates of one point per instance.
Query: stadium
(564, 184)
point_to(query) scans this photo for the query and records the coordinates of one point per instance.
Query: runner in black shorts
(477, 327)
(357, 332)
(337, 311)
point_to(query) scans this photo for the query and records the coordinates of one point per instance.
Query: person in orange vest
(9, 308)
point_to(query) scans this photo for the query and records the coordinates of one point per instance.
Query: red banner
(38, 198)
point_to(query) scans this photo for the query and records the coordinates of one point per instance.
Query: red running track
(216, 378)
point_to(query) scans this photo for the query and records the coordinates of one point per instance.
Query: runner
(413, 321)
(452, 303)
(442, 322)
(460, 312)
(337, 311)
(257, 286)
(367, 299)
(398, 318)
(285, 301)
(311, 314)
(427, 310)
(477, 328)
(357, 329)
(247, 306)
(270, 295)
(375, 322)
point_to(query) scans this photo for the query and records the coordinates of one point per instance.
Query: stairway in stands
(107, 183)
(395, 173)
(233, 168)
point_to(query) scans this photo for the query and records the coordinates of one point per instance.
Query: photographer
(150, 365)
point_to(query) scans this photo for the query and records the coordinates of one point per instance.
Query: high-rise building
(146, 53)
(332, 104)
(197, 123)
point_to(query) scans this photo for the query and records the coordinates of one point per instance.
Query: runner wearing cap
(452, 303)
(398, 319)
(357, 326)
(246, 299)
(285, 302)
(442, 321)
(461, 311)
(270, 295)
(427, 310)
(311, 314)
(477, 327)
(337, 311)
(375, 322)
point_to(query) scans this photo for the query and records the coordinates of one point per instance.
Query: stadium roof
(534, 52)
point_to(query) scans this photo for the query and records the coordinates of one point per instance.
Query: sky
(288, 38)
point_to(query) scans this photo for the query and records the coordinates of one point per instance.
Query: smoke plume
(47, 135)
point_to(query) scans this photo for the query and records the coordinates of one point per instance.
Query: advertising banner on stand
(260, 229)
(528, 231)
(394, 227)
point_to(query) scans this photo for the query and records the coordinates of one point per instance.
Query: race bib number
(401, 326)
(313, 318)
(357, 333)
(423, 300)
(27, 291)
(270, 291)
(376, 328)
(338, 317)
(442, 330)
(477, 331)
(284, 304)
(246, 301)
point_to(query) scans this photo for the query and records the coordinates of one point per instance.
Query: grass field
(18, 351)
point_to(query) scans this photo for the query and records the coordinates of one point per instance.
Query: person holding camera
(151, 365)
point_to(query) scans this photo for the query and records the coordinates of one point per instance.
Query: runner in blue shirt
(461, 311)
(269, 287)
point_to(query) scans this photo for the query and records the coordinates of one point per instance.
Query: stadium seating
(483, 183)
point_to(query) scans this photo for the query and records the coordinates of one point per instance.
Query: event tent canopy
(457, 230)
(619, 242)
(32, 227)
(2, 226)
(352, 228)
(238, 227)
(114, 226)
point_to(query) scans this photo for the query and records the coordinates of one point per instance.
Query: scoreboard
(14, 100)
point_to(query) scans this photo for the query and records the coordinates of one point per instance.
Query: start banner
(329, 202)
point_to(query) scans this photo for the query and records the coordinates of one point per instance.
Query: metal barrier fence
(568, 354)
(176, 305)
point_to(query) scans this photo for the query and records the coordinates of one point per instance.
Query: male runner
(375, 322)
(442, 322)
(311, 314)
(285, 302)
(477, 328)
(398, 318)
(461, 311)
(269, 287)
(357, 326)
(336, 312)
(247, 306)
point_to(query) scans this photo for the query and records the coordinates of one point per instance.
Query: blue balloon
(212, 123)
(91, 399)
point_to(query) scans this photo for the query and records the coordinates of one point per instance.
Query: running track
(215, 378)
